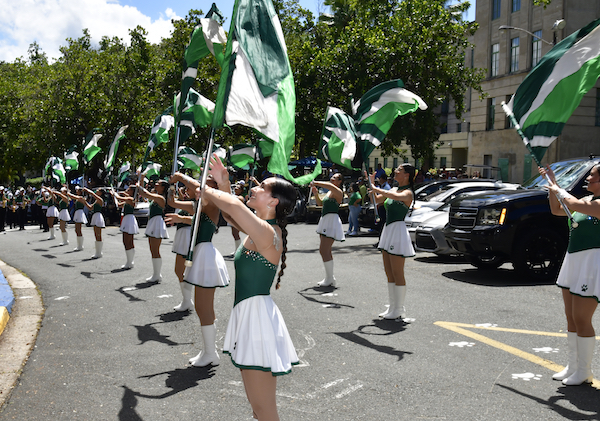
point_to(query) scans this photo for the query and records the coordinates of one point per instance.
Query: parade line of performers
(257, 339)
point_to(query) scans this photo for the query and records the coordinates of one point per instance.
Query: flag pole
(209, 147)
(515, 123)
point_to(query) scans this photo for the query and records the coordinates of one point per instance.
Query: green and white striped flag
(160, 129)
(71, 159)
(188, 158)
(256, 88)
(550, 93)
(196, 111)
(47, 167)
(109, 161)
(124, 172)
(58, 171)
(241, 156)
(338, 139)
(376, 111)
(151, 169)
(91, 149)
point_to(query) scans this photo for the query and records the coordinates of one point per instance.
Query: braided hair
(285, 192)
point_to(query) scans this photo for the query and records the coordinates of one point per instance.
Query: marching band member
(79, 216)
(129, 225)
(97, 220)
(63, 215)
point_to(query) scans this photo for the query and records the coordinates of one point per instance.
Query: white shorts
(330, 225)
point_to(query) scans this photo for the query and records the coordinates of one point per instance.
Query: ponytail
(286, 194)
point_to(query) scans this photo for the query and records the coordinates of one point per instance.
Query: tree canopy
(46, 107)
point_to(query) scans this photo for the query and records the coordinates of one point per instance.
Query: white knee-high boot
(130, 255)
(98, 245)
(209, 354)
(65, 238)
(237, 244)
(585, 353)
(79, 243)
(392, 297)
(52, 237)
(156, 266)
(571, 358)
(186, 303)
(329, 278)
(399, 294)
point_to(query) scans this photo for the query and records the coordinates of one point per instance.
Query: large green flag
(91, 148)
(188, 158)
(338, 139)
(124, 171)
(547, 97)
(58, 171)
(71, 162)
(196, 111)
(256, 88)
(242, 155)
(376, 111)
(151, 169)
(109, 161)
(160, 129)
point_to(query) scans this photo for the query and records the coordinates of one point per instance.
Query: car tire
(486, 262)
(538, 254)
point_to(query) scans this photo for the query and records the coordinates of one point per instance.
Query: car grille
(462, 217)
(425, 241)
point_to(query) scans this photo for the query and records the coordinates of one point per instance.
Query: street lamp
(558, 25)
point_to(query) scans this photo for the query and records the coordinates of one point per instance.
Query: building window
(468, 126)
(496, 5)
(495, 61)
(395, 162)
(487, 160)
(597, 106)
(491, 113)
(384, 162)
(458, 127)
(516, 5)
(376, 162)
(507, 121)
(536, 48)
(514, 55)
(406, 159)
(443, 160)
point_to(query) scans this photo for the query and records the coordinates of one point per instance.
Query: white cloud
(50, 22)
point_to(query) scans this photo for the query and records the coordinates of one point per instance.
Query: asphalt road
(477, 345)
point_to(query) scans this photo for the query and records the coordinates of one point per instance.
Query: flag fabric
(242, 155)
(58, 171)
(338, 139)
(377, 110)
(550, 93)
(47, 166)
(188, 158)
(196, 111)
(124, 172)
(71, 162)
(256, 88)
(160, 129)
(109, 161)
(91, 149)
(151, 169)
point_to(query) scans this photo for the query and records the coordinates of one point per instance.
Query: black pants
(21, 217)
(2, 218)
(44, 220)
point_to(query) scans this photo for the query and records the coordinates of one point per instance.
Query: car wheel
(486, 262)
(539, 253)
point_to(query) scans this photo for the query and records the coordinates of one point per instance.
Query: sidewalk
(21, 311)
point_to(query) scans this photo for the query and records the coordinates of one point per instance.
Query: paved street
(477, 345)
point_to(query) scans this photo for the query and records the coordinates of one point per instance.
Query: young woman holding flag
(52, 212)
(97, 220)
(63, 215)
(129, 226)
(79, 216)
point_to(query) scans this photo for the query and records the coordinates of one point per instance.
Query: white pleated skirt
(580, 273)
(330, 225)
(157, 228)
(208, 268)
(129, 224)
(98, 220)
(52, 212)
(396, 240)
(63, 215)
(257, 337)
(79, 217)
(181, 242)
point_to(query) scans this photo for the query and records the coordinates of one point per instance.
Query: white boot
(98, 245)
(392, 305)
(156, 265)
(79, 243)
(571, 358)
(52, 237)
(130, 254)
(65, 238)
(209, 354)
(585, 353)
(186, 303)
(399, 294)
(329, 278)
(237, 244)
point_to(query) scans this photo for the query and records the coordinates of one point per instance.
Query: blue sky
(50, 22)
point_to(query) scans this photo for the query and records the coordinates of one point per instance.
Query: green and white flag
(91, 149)
(241, 156)
(550, 93)
(71, 159)
(160, 129)
(151, 169)
(124, 172)
(377, 110)
(109, 161)
(256, 88)
(189, 159)
(338, 139)
(47, 166)
(58, 171)
(196, 111)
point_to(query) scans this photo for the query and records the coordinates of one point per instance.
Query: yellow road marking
(460, 329)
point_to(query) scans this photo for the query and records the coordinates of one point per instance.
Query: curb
(7, 300)
(19, 325)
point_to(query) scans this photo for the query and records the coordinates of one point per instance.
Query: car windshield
(566, 172)
(440, 194)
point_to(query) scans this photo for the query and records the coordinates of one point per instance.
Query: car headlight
(492, 216)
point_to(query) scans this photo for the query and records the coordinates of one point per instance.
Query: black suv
(517, 226)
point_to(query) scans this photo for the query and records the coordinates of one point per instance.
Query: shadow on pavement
(446, 260)
(494, 278)
(311, 295)
(148, 333)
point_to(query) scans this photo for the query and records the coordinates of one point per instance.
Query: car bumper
(481, 241)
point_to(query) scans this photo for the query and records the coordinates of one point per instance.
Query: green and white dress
(129, 224)
(395, 238)
(330, 224)
(257, 337)
(79, 215)
(63, 214)
(156, 226)
(181, 242)
(97, 216)
(52, 210)
(580, 271)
